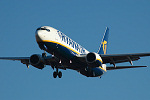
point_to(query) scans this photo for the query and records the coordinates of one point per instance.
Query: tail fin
(104, 43)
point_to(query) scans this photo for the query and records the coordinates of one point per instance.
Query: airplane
(65, 53)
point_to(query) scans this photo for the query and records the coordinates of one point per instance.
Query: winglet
(104, 43)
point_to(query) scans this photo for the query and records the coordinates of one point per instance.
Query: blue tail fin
(104, 43)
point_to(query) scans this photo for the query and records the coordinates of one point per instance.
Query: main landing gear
(59, 74)
(56, 73)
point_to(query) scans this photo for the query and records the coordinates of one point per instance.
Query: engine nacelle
(93, 59)
(37, 61)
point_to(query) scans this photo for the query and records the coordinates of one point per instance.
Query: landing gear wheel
(55, 74)
(60, 74)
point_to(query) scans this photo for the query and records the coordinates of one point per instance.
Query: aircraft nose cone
(38, 36)
(42, 33)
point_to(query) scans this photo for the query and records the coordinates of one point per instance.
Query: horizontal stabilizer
(123, 67)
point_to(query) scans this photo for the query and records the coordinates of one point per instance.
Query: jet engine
(37, 61)
(93, 59)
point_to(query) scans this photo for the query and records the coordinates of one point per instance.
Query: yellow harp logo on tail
(104, 46)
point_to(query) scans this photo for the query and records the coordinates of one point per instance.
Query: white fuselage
(58, 37)
(66, 50)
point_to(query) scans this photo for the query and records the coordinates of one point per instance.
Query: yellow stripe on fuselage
(61, 45)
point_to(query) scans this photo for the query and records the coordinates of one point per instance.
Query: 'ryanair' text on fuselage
(70, 42)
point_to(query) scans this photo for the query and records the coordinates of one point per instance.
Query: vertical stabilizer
(104, 43)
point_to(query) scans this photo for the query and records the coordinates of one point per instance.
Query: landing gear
(56, 73)
(59, 74)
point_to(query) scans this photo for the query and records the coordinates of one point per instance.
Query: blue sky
(84, 21)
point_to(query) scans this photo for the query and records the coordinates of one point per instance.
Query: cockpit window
(48, 30)
(43, 29)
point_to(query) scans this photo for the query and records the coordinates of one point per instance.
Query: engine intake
(34, 59)
(37, 61)
(93, 59)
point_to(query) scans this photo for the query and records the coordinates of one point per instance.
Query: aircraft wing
(24, 60)
(119, 58)
(123, 67)
(49, 60)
